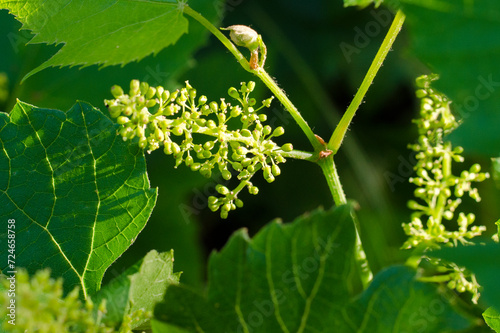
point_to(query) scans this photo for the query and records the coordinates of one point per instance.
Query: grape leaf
(78, 194)
(295, 278)
(396, 302)
(362, 3)
(459, 41)
(492, 318)
(103, 32)
(138, 288)
(288, 278)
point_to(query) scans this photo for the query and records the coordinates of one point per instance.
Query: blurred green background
(319, 53)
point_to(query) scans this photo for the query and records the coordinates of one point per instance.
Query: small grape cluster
(439, 192)
(196, 132)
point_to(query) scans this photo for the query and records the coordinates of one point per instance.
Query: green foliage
(103, 32)
(134, 293)
(156, 116)
(288, 278)
(459, 41)
(293, 278)
(79, 196)
(397, 302)
(89, 201)
(492, 318)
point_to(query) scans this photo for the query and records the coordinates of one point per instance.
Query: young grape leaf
(288, 278)
(103, 32)
(492, 318)
(138, 288)
(484, 262)
(459, 41)
(78, 194)
(362, 3)
(397, 302)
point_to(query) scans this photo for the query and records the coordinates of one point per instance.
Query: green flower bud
(192, 93)
(252, 101)
(226, 174)
(177, 131)
(279, 131)
(128, 111)
(224, 214)
(144, 87)
(189, 160)
(233, 93)
(246, 133)
(237, 166)
(262, 117)
(143, 142)
(195, 166)
(267, 102)
(268, 174)
(214, 107)
(245, 36)
(150, 92)
(246, 162)
(211, 124)
(253, 190)
(267, 130)
(276, 170)
(205, 171)
(175, 148)
(116, 91)
(251, 86)
(140, 131)
(288, 147)
(202, 100)
(122, 120)
(150, 103)
(159, 91)
(235, 111)
(165, 95)
(167, 148)
(134, 87)
(421, 93)
(222, 189)
(475, 168)
(241, 151)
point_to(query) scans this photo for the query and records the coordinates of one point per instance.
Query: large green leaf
(138, 288)
(294, 278)
(78, 194)
(104, 32)
(459, 41)
(289, 277)
(397, 302)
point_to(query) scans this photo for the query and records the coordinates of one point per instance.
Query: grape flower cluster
(439, 192)
(197, 133)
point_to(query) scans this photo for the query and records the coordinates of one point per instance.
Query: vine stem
(327, 164)
(341, 129)
(261, 74)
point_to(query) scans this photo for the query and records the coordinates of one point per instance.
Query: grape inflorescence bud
(439, 192)
(197, 133)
